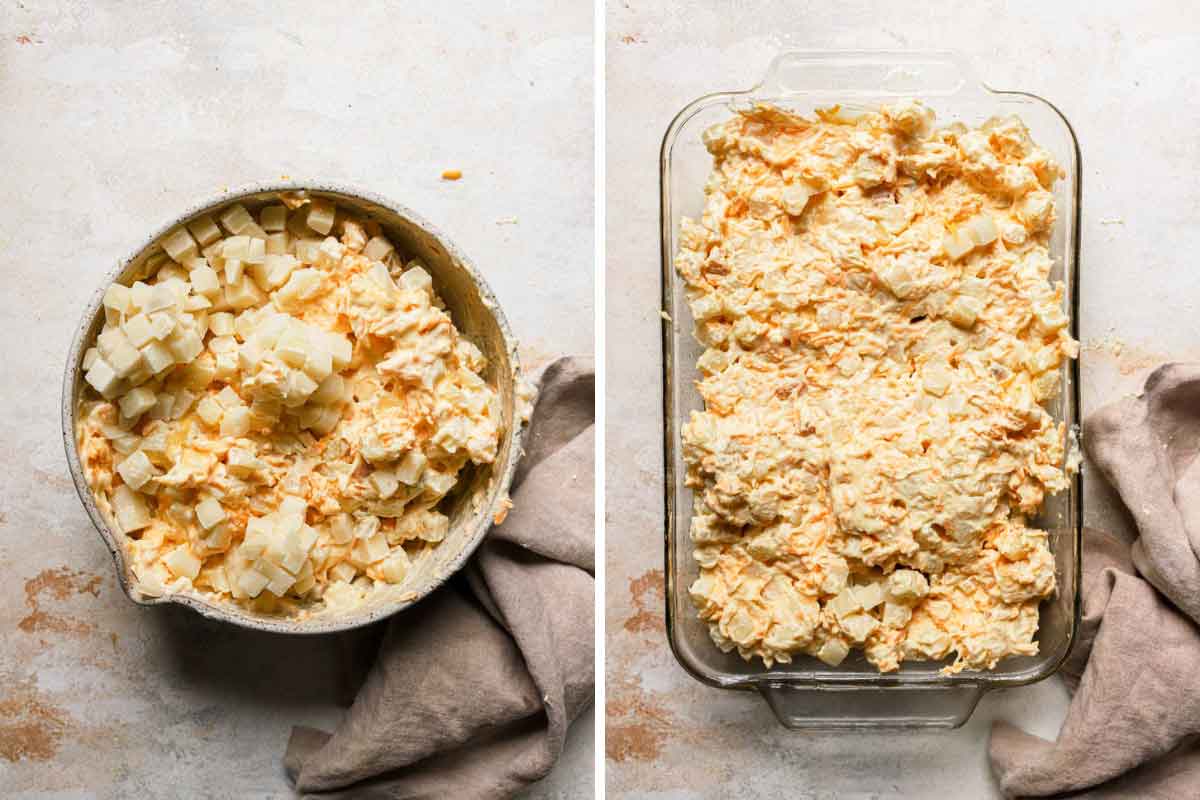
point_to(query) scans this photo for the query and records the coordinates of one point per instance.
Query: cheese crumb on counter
(880, 333)
(277, 409)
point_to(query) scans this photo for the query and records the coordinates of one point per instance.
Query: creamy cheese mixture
(274, 412)
(880, 333)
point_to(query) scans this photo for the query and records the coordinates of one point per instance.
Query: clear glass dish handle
(867, 73)
(853, 707)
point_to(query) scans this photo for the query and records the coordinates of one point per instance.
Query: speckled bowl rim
(73, 375)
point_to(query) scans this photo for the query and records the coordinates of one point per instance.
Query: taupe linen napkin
(1133, 728)
(473, 689)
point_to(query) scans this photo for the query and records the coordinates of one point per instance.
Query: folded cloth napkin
(1133, 728)
(473, 689)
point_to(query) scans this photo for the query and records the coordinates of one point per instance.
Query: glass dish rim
(979, 680)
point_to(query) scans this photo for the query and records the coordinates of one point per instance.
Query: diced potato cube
(393, 568)
(243, 463)
(182, 403)
(299, 388)
(795, 198)
(416, 279)
(308, 250)
(981, 229)
(185, 345)
(907, 586)
(869, 595)
(340, 349)
(328, 420)
(302, 284)
(209, 512)
(129, 508)
(205, 230)
(318, 364)
(209, 410)
(137, 402)
(119, 298)
(136, 470)
(293, 346)
(196, 302)
(235, 422)
(411, 466)
(936, 377)
(341, 528)
(293, 506)
(320, 216)
(139, 294)
(179, 244)
(221, 323)
(234, 269)
(243, 294)
(272, 218)
(384, 482)
(964, 311)
(343, 571)
(252, 582)
(162, 325)
(833, 652)
(157, 356)
(958, 244)
(378, 248)
(330, 390)
(844, 604)
(236, 218)
(368, 551)
(229, 398)
(102, 378)
(278, 244)
(182, 562)
(124, 359)
(279, 580)
(256, 252)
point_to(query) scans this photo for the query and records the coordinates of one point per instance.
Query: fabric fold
(1133, 727)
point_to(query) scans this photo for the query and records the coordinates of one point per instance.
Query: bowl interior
(472, 503)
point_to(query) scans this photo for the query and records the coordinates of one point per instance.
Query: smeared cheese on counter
(280, 410)
(880, 332)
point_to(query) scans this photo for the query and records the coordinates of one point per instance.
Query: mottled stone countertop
(117, 115)
(1127, 81)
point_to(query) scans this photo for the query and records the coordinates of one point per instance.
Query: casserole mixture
(880, 332)
(275, 412)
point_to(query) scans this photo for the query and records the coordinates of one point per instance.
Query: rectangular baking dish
(807, 693)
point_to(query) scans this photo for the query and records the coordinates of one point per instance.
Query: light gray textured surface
(117, 116)
(1126, 79)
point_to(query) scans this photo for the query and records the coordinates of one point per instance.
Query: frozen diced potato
(833, 652)
(320, 216)
(330, 390)
(119, 298)
(307, 250)
(302, 284)
(299, 388)
(395, 567)
(256, 251)
(139, 294)
(328, 420)
(162, 325)
(243, 294)
(209, 410)
(981, 229)
(124, 358)
(182, 562)
(378, 248)
(279, 580)
(229, 398)
(318, 364)
(341, 528)
(185, 345)
(252, 582)
(129, 508)
(205, 230)
(234, 269)
(221, 323)
(236, 218)
(136, 470)
(179, 244)
(370, 550)
(235, 421)
(958, 244)
(340, 349)
(243, 463)
(137, 402)
(183, 403)
(197, 302)
(384, 482)
(272, 218)
(157, 356)
(209, 512)
(410, 467)
(343, 572)
(278, 243)
(416, 279)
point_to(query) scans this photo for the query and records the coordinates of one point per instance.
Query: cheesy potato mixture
(880, 332)
(275, 412)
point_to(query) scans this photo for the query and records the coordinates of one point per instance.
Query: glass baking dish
(807, 693)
